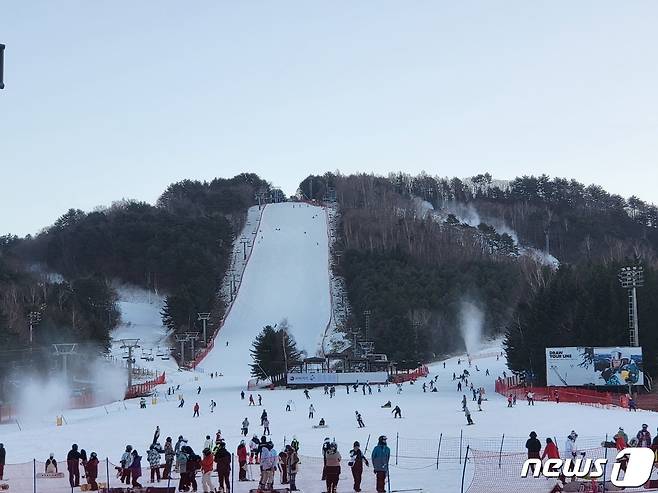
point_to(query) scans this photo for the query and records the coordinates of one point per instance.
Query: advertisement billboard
(606, 366)
(336, 378)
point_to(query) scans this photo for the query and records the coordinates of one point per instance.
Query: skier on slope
(359, 419)
(245, 427)
(397, 412)
(263, 417)
(467, 413)
(463, 402)
(242, 461)
(311, 411)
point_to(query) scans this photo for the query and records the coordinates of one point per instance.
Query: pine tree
(268, 351)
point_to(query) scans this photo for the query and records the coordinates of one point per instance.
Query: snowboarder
(380, 457)
(356, 463)
(198, 391)
(251, 400)
(182, 402)
(245, 427)
(486, 373)
(51, 464)
(196, 410)
(306, 394)
(359, 419)
(311, 411)
(397, 413)
(467, 413)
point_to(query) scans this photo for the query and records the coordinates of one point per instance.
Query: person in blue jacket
(380, 457)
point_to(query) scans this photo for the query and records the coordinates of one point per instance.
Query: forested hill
(419, 252)
(179, 247)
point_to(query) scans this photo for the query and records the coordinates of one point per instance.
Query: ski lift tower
(65, 350)
(204, 317)
(192, 336)
(182, 338)
(130, 345)
(632, 278)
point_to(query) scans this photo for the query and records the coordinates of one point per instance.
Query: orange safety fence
(420, 372)
(143, 389)
(507, 386)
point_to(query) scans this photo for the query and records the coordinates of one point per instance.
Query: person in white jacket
(570, 447)
(208, 444)
(268, 458)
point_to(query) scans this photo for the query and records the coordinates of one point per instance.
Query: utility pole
(234, 285)
(65, 350)
(244, 242)
(2, 66)
(130, 345)
(632, 278)
(204, 317)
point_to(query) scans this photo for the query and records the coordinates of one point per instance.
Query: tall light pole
(204, 317)
(182, 338)
(632, 278)
(2, 66)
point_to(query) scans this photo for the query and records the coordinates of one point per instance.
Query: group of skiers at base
(331, 468)
(619, 441)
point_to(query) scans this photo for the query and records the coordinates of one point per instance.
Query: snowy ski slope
(287, 277)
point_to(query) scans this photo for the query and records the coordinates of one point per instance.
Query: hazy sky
(117, 99)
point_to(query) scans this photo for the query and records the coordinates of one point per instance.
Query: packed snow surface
(287, 277)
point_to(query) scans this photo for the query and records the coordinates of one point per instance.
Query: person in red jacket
(91, 471)
(242, 461)
(206, 471)
(550, 451)
(196, 410)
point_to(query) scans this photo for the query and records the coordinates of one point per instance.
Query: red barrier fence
(561, 394)
(420, 372)
(142, 389)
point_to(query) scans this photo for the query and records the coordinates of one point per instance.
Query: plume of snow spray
(471, 320)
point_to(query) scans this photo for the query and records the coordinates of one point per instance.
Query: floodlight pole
(632, 278)
(204, 317)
